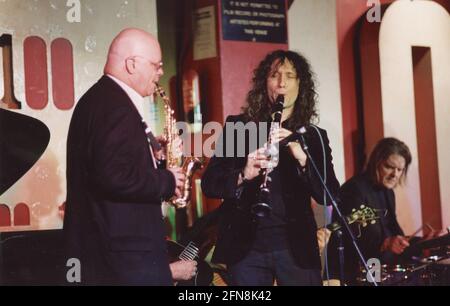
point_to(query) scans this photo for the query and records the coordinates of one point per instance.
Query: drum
(395, 275)
(404, 275)
(438, 273)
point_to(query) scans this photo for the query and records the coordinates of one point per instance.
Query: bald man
(113, 221)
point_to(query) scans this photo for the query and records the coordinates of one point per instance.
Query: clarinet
(262, 207)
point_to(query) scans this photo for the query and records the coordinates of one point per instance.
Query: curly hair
(383, 149)
(258, 106)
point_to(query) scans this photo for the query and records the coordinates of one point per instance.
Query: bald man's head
(134, 57)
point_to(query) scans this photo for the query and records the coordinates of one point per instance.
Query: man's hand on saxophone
(180, 177)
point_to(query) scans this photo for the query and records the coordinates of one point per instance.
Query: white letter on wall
(406, 24)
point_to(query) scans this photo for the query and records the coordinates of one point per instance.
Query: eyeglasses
(157, 66)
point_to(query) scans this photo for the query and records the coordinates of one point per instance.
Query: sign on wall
(204, 33)
(257, 21)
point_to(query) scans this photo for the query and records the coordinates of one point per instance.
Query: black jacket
(237, 226)
(113, 221)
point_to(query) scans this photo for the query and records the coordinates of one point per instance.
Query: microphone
(301, 132)
(297, 135)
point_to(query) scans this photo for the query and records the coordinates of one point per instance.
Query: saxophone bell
(190, 165)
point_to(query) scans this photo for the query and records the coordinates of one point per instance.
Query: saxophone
(189, 163)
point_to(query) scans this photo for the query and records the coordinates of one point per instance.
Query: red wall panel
(62, 74)
(36, 75)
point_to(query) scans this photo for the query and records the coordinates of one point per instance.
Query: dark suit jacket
(355, 192)
(113, 221)
(237, 226)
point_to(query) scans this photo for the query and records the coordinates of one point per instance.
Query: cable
(325, 210)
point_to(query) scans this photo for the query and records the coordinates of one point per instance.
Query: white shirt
(135, 97)
(138, 102)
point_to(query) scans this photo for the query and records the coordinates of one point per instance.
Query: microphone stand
(305, 148)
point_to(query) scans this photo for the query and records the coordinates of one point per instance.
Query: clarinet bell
(262, 209)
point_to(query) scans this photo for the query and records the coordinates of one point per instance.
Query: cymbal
(23, 139)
